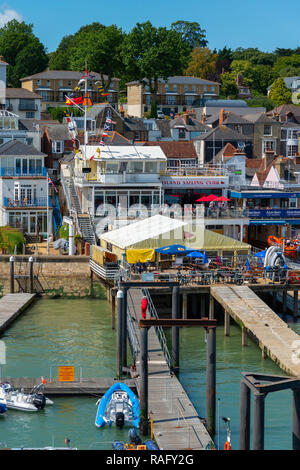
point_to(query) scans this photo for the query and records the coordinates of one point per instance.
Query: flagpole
(47, 214)
(85, 112)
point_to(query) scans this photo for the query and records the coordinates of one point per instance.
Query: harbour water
(68, 332)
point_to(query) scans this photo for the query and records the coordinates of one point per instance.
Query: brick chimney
(268, 158)
(186, 118)
(221, 117)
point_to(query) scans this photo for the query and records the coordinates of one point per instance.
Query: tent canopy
(195, 254)
(172, 250)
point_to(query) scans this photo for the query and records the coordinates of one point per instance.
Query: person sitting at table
(148, 265)
(139, 267)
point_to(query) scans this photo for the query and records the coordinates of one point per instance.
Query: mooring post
(124, 329)
(244, 416)
(244, 337)
(120, 297)
(226, 323)
(175, 329)
(144, 382)
(211, 381)
(296, 419)
(295, 310)
(284, 302)
(211, 307)
(12, 274)
(202, 306)
(113, 310)
(31, 289)
(184, 306)
(258, 421)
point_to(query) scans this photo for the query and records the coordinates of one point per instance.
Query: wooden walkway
(260, 323)
(11, 306)
(176, 423)
(87, 386)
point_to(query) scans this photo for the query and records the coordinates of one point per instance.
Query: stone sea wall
(60, 276)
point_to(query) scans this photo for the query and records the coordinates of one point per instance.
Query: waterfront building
(174, 95)
(55, 143)
(3, 67)
(24, 200)
(266, 133)
(212, 107)
(24, 103)
(54, 85)
(119, 176)
(12, 127)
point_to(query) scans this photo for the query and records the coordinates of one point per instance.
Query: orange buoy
(227, 445)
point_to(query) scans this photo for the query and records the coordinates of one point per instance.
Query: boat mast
(85, 111)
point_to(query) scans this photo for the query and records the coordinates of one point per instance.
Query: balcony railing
(205, 170)
(28, 107)
(18, 172)
(16, 203)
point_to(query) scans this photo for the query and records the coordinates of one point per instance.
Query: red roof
(175, 149)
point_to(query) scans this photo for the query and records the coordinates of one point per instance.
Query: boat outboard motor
(39, 401)
(120, 419)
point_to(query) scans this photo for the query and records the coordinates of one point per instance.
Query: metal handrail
(158, 329)
(132, 335)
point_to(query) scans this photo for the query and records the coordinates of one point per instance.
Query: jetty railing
(158, 329)
(132, 336)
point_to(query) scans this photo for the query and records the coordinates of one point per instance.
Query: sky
(265, 24)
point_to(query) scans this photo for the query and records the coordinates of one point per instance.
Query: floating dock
(87, 386)
(176, 423)
(261, 324)
(11, 306)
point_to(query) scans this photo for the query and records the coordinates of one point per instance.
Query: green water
(79, 332)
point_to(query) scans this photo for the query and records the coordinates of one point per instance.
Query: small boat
(3, 406)
(135, 443)
(120, 406)
(18, 400)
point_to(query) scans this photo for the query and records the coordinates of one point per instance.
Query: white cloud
(7, 15)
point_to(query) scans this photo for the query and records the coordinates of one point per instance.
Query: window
(174, 87)
(166, 87)
(151, 167)
(39, 82)
(29, 141)
(267, 130)
(170, 99)
(30, 115)
(57, 146)
(291, 150)
(48, 83)
(292, 134)
(181, 133)
(136, 167)
(204, 88)
(112, 167)
(212, 87)
(44, 94)
(70, 83)
(269, 145)
(61, 83)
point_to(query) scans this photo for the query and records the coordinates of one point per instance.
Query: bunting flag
(87, 100)
(102, 142)
(97, 154)
(74, 101)
(51, 182)
(104, 135)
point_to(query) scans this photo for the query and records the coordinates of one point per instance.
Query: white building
(24, 103)
(13, 128)
(121, 176)
(24, 198)
(3, 66)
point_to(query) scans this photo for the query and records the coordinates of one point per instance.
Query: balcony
(28, 107)
(26, 203)
(17, 172)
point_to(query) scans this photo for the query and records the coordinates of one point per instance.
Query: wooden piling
(295, 309)
(226, 323)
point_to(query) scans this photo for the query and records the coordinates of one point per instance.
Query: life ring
(227, 445)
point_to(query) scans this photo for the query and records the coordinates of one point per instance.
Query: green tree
(254, 55)
(279, 93)
(261, 101)
(23, 51)
(151, 53)
(59, 59)
(191, 33)
(202, 63)
(224, 59)
(100, 48)
(228, 86)
(282, 63)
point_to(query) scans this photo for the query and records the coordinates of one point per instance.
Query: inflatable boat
(118, 406)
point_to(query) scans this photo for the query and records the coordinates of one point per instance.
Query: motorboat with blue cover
(3, 406)
(120, 406)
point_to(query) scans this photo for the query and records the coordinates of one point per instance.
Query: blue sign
(268, 222)
(277, 213)
(263, 195)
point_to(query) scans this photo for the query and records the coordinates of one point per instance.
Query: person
(139, 267)
(144, 306)
(148, 265)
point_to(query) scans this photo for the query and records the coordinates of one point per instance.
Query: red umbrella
(202, 199)
(212, 197)
(222, 198)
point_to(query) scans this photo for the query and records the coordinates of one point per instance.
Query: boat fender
(227, 446)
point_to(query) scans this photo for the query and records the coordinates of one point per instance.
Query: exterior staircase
(86, 228)
(73, 196)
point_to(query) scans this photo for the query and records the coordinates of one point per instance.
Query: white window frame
(58, 146)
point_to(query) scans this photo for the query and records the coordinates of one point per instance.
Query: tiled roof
(260, 118)
(63, 75)
(180, 80)
(223, 133)
(193, 124)
(22, 93)
(15, 147)
(229, 118)
(134, 124)
(164, 127)
(57, 132)
(175, 149)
